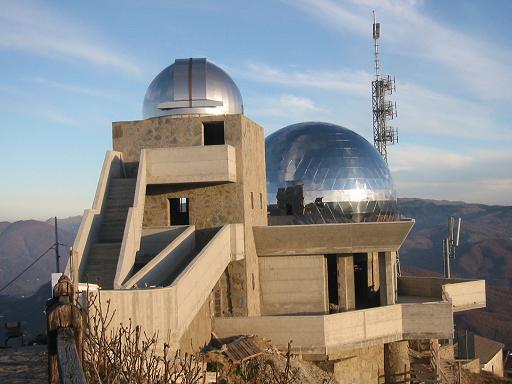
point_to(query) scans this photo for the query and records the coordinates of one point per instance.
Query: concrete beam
(387, 277)
(317, 239)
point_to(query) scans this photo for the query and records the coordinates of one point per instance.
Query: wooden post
(64, 323)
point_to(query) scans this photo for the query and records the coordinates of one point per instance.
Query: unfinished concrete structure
(179, 241)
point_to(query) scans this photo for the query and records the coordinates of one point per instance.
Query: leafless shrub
(127, 355)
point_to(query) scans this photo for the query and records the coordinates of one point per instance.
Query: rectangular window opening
(213, 133)
(252, 200)
(179, 211)
(261, 200)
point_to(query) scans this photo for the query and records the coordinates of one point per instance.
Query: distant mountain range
(22, 242)
(485, 252)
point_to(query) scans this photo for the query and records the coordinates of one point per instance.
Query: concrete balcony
(328, 335)
(196, 164)
(462, 294)
(282, 240)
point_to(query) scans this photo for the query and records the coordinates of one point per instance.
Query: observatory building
(178, 236)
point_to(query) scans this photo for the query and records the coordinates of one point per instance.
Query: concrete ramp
(170, 310)
(157, 271)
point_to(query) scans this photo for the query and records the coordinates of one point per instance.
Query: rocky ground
(23, 365)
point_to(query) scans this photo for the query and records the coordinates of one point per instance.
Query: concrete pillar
(387, 278)
(346, 289)
(396, 362)
(373, 271)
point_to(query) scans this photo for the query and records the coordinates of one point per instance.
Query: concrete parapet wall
(332, 334)
(133, 227)
(427, 321)
(213, 163)
(362, 328)
(194, 285)
(463, 294)
(466, 295)
(281, 240)
(91, 219)
(170, 311)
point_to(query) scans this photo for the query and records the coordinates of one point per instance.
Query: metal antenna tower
(451, 243)
(383, 110)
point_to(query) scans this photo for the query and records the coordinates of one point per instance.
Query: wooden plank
(242, 349)
(70, 369)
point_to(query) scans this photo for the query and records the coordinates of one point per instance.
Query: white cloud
(345, 81)
(480, 66)
(38, 31)
(283, 107)
(295, 102)
(421, 111)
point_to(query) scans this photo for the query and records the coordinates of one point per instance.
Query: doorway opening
(332, 281)
(179, 212)
(365, 294)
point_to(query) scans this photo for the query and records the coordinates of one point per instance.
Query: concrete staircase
(104, 254)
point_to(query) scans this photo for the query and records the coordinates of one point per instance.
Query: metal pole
(57, 256)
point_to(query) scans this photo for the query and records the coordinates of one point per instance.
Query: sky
(69, 69)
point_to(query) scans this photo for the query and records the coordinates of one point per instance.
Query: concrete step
(116, 191)
(111, 236)
(119, 203)
(123, 180)
(114, 219)
(102, 263)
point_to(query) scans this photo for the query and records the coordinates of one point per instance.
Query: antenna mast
(382, 109)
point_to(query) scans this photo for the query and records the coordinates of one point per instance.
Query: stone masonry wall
(360, 366)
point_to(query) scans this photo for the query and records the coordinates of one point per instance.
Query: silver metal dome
(192, 86)
(341, 177)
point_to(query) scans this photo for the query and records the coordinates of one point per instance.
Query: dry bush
(127, 355)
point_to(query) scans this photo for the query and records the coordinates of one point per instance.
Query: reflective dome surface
(341, 176)
(192, 86)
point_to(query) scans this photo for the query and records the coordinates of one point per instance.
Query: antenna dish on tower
(383, 110)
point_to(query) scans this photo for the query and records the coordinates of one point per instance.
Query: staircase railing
(133, 228)
(91, 219)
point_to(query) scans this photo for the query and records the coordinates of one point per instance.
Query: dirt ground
(23, 365)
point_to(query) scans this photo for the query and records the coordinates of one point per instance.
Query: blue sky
(68, 69)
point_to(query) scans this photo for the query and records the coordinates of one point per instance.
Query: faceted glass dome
(340, 176)
(189, 87)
